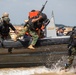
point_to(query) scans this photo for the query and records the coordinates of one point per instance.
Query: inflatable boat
(48, 50)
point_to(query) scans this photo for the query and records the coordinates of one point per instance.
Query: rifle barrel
(43, 7)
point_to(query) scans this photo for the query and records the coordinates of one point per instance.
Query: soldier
(60, 31)
(5, 14)
(71, 48)
(31, 26)
(5, 26)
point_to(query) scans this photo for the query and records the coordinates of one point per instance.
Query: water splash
(55, 69)
(35, 71)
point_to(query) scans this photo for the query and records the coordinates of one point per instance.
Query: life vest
(33, 14)
(41, 26)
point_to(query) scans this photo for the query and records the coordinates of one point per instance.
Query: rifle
(29, 22)
(42, 8)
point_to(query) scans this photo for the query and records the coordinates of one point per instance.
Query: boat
(49, 49)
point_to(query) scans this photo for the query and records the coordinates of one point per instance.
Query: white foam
(33, 71)
(56, 69)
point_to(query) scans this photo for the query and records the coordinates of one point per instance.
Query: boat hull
(40, 42)
(26, 58)
(48, 51)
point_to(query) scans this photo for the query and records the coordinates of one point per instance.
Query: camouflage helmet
(5, 14)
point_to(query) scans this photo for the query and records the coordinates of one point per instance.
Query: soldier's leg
(10, 48)
(34, 39)
(1, 41)
(9, 36)
(70, 57)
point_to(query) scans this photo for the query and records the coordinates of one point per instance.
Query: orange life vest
(33, 14)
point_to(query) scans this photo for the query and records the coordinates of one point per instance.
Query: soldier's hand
(16, 32)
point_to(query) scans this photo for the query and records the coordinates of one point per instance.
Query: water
(36, 71)
(55, 69)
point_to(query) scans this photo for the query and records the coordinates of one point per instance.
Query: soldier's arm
(13, 28)
(36, 19)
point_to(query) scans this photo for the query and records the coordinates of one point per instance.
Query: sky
(64, 10)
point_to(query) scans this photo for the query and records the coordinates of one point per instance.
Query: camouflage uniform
(5, 28)
(31, 32)
(71, 58)
(71, 48)
(33, 23)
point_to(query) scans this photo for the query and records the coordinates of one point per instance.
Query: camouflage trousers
(32, 33)
(71, 57)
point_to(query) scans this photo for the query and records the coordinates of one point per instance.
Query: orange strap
(27, 33)
(42, 27)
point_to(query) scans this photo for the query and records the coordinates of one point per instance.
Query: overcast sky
(64, 10)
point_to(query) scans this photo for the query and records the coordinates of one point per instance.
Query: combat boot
(31, 47)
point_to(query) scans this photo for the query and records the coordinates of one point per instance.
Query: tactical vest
(38, 24)
(4, 30)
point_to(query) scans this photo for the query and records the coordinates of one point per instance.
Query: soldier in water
(71, 48)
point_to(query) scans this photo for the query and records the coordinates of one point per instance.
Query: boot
(31, 47)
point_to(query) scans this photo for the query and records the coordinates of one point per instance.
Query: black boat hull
(40, 42)
(48, 51)
(24, 57)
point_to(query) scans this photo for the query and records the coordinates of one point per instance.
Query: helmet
(5, 14)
